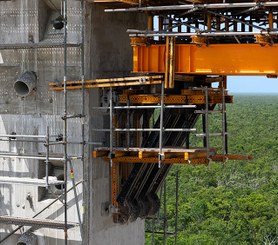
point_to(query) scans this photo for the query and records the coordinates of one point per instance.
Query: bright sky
(246, 84)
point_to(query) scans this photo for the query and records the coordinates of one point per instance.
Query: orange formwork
(218, 59)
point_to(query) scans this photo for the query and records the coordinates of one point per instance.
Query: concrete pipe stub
(25, 84)
(27, 238)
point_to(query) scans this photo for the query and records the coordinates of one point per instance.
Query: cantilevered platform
(176, 155)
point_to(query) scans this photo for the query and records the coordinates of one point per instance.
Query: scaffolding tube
(207, 134)
(177, 207)
(155, 129)
(160, 155)
(140, 33)
(211, 134)
(145, 107)
(155, 107)
(85, 184)
(9, 155)
(191, 6)
(65, 120)
(111, 125)
(224, 123)
(35, 45)
(47, 156)
(75, 197)
(146, 130)
(21, 136)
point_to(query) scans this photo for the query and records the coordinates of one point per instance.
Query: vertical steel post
(171, 80)
(207, 120)
(270, 20)
(177, 207)
(65, 120)
(161, 156)
(111, 124)
(85, 183)
(75, 196)
(150, 22)
(111, 143)
(47, 157)
(224, 118)
(160, 25)
(128, 124)
(209, 21)
(165, 214)
(153, 228)
(167, 62)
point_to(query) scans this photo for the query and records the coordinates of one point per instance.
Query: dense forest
(231, 203)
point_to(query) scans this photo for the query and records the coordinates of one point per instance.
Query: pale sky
(248, 84)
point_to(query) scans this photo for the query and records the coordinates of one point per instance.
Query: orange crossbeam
(217, 59)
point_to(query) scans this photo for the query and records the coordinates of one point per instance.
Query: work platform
(181, 61)
(171, 155)
(193, 45)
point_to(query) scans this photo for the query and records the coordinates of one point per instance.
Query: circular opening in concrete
(60, 186)
(27, 239)
(21, 88)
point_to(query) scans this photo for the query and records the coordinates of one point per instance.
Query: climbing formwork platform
(132, 124)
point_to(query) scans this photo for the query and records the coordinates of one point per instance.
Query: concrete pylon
(110, 55)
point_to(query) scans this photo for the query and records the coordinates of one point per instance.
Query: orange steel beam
(114, 183)
(220, 59)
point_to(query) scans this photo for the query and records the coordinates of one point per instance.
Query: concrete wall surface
(24, 23)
